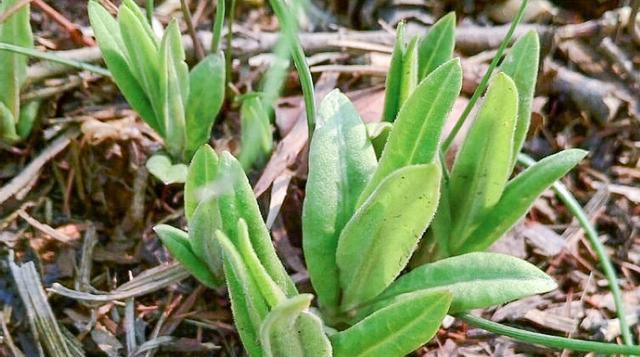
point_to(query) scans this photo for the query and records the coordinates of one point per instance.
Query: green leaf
(206, 95)
(173, 83)
(247, 303)
(28, 116)
(521, 64)
(415, 136)
(518, 197)
(437, 46)
(483, 163)
(160, 167)
(142, 19)
(177, 242)
(394, 78)
(202, 172)
(475, 280)
(15, 30)
(238, 201)
(202, 228)
(409, 71)
(143, 58)
(257, 139)
(271, 292)
(395, 330)
(341, 162)
(435, 244)
(378, 134)
(113, 50)
(377, 242)
(7, 125)
(289, 331)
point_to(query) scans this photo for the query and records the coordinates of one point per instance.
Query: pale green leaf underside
(341, 162)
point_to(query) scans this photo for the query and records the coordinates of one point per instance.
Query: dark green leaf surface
(173, 83)
(202, 228)
(15, 30)
(341, 162)
(113, 50)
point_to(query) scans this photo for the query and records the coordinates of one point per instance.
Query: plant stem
(549, 341)
(574, 207)
(229, 48)
(149, 11)
(197, 45)
(53, 58)
(218, 23)
(484, 82)
(289, 28)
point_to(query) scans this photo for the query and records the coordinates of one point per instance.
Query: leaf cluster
(367, 214)
(151, 72)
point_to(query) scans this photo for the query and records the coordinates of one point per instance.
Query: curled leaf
(290, 331)
(247, 303)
